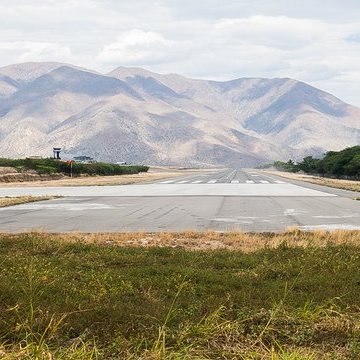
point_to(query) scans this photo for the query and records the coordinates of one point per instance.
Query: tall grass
(35, 333)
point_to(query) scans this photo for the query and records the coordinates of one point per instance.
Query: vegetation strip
(51, 166)
(344, 164)
(83, 296)
(10, 201)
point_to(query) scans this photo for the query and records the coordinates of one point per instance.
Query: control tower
(56, 151)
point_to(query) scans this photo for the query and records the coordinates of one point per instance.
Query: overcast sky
(316, 41)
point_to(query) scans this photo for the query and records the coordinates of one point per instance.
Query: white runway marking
(350, 216)
(166, 182)
(264, 182)
(237, 220)
(329, 227)
(250, 181)
(183, 182)
(197, 182)
(212, 182)
(280, 182)
(235, 181)
(293, 212)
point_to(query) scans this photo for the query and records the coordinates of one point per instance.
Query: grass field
(291, 296)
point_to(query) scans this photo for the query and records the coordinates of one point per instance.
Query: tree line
(339, 164)
(52, 166)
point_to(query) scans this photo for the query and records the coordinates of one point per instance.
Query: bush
(11, 162)
(41, 169)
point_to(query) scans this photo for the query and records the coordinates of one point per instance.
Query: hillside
(139, 116)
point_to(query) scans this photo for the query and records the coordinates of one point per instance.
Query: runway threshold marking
(264, 182)
(250, 181)
(212, 182)
(235, 181)
(167, 182)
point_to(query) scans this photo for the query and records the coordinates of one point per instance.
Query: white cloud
(277, 32)
(25, 51)
(137, 46)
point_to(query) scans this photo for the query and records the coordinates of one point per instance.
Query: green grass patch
(76, 300)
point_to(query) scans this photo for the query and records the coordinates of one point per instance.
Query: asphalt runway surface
(224, 200)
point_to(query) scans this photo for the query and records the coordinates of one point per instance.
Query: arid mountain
(138, 116)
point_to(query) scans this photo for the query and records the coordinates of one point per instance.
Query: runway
(225, 200)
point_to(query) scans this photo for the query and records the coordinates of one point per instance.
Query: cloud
(277, 32)
(216, 39)
(138, 47)
(354, 38)
(25, 51)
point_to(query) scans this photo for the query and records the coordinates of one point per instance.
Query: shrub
(41, 169)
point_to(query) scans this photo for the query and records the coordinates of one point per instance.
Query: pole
(71, 169)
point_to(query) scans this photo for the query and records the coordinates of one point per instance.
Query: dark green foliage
(41, 169)
(49, 166)
(339, 164)
(11, 162)
(342, 163)
(286, 166)
(309, 165)
(352, 168)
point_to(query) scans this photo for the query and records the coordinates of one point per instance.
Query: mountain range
(138, 116)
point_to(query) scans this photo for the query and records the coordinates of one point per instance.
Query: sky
(316, 41)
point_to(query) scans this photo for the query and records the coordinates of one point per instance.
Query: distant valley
(138, 116)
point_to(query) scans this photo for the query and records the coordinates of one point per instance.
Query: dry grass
(6, 170)
(97, 180)
(334, 183)
(10, 201)
(211, 240)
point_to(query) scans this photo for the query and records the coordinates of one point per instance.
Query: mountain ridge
(136, 115)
